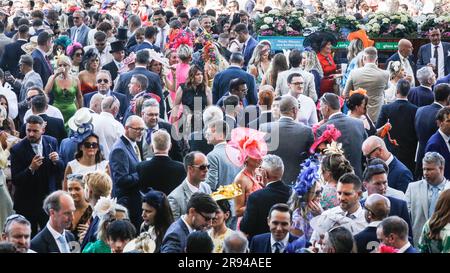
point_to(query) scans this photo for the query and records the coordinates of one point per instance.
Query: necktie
(75, 37)
(243, 50)
(36, 149)
(436, 57)
(278, 246)
(48, 63)
(63, 244)
(433, 200)
(161, 44)
(149, 135)
(138, 153)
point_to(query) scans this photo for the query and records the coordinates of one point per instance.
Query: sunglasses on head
(88, 145)
(202, 167)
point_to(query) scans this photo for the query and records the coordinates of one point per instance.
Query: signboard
(341, 45)
(386, 45)
(284, 42)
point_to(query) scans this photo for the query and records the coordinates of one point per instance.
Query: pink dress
(182, 71)
(255, 186)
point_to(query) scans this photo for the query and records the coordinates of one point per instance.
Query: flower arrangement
(308, 176)
(341, 24)
(432, 21)
(391, 25)
(209, 53)
(281, 23)
(180, 37)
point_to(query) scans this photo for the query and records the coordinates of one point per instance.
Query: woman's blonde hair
(99, 183)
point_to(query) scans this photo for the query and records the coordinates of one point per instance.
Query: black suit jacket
(259, 203)
(401, 114)
(367, 241)
(54, 128)
(44, 242)
(112, 68)
(161, 173)
(10, 61)
(32, 188)
(175, 152)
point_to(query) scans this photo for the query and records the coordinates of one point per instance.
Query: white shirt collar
(285, 242)
(246, 42)
(444, 136)
(55, 233)
(404, 248)
(406, 99)
(187, 225)
(442, 106)
(390, 159)
(332, 115)
(286, 117)
(133, 143)
(191, 187)
(220, 143)
(427, 87)
(374, 224)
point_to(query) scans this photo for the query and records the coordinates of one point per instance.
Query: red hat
(330, 134)
(245, 142)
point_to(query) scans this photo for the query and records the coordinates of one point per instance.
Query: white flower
(104, 206)
(289, 29)
(350, 17)
(372, 21)
(264, 27)
(268, 20)
(376, 25)
(448, 53)
(403, 18)
(274, 12)
(361, 26)
(400, 26)
(385, 20)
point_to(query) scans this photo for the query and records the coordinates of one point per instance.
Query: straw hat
(30, 46)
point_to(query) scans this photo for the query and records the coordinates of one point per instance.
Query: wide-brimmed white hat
(156, 56)
(30, 46)
(142, 244)
(81, 117)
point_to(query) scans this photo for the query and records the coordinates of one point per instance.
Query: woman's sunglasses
(88, 145)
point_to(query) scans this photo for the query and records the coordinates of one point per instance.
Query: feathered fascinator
(127, 61)
(227, 192)
(70, 50)
(245, 142)
(385, 132)
(329, 135)
(209, 53)
(104, 206)
(334, 148)
(63, 41)
(308, 176)
(358, 91)
(180, 37)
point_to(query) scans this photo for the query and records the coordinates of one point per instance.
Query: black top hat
(319, 39)
(116, 46)
(122, 33)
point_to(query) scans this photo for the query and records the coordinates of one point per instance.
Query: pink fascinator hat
(329, 135)
(245, 142)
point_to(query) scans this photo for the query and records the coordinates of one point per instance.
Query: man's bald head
(405, 47)
(371, 144)
(378, 206)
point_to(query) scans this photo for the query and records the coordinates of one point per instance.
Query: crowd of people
(169, 127)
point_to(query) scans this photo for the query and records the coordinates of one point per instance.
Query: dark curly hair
(356, 100)
(98, 156)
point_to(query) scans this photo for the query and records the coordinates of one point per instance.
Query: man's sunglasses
(202, 167)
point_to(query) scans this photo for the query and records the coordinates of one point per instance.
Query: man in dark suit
(352, 130)
(118, 53)
(54, 237)
(53, 126)
(376, 208)
(36, 171)
(123, 159)
(249, 42)
(275, 241)
(375, 181)
(423, 95)
(435, 52)
(399, 176)
(393, 231)
(41, 62)
(425, 122)
(150, 115)
(445, 79)
(79, 32)
(400, 114)
(201, 209)
(148, 43)
(134, 22)
(154, 81)
(259, 202)
(9, 62)
(160, 172)
(239, 88)
(231, 108)
(404, 56)
(439, 141)
(222, 80)
(104, 83)
(288, 139)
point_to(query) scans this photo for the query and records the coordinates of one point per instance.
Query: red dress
(329, 68)
(86, 88)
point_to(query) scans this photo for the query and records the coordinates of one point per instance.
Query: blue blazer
(154, 86)
(222, 81)
(144, 45)
(82, 34)
(121, 97)
(91, 233)
(437, 144)
(261, 243)
(31, 189)
(41, 66)
(420, 96)
(398, 208)
(44, 242)
(445, 79)
(424, 56)
(399, 176)
(174, 240)
(10, 61)
(367, 240)
(248, 51)
(425, 124)
(123, 162)
(254, 221)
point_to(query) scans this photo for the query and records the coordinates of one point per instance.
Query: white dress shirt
(441, 63)
(108, 130)
(159, 36)
(404, 248)
(191, 187)
(408, 68)
(445, 137)
(308, 113)
(56, 236)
